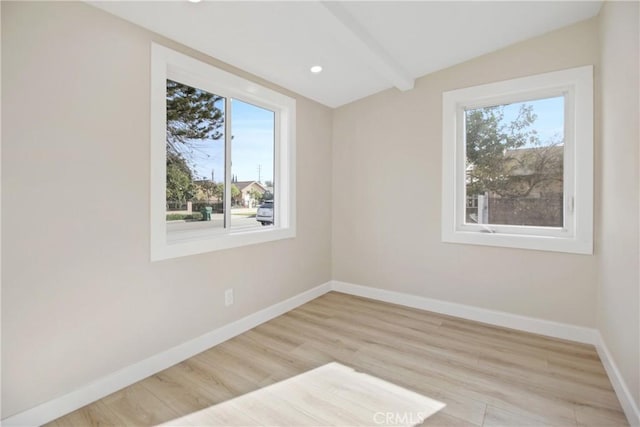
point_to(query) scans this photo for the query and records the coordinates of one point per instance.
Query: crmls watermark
(399, 418)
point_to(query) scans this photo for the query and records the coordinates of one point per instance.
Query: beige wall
(80, 298)
(386, 234)
(619, 296)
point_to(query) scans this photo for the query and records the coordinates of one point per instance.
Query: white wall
(387, 160)
(619, 255)
(80, 298)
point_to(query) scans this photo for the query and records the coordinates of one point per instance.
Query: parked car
(265, 213)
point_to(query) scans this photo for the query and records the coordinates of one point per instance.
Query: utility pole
(259, 170)
(213, 175)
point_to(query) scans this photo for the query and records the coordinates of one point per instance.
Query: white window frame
(169, 64)
(576, 236)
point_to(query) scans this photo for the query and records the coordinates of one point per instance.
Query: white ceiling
(364, 46)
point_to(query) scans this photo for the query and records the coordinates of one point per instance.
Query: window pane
(514, 163)
(252, 158)
(195, 158)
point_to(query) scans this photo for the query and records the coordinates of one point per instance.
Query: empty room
(316, 213)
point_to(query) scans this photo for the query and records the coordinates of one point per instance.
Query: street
(217, 221)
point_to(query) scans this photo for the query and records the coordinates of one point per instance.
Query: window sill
(175, 245)
(520, 241)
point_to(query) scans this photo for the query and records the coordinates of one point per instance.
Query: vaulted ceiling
(363, 46)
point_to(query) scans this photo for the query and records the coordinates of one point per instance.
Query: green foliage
(207, 190)
(256, 195)
(196, 216)
(179, 179)
(235, 192)
(191, 114)
(508, 159)
(218, 191)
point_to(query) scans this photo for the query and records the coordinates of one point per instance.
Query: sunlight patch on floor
(331, 395)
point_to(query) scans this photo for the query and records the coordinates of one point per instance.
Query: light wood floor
(487, 376)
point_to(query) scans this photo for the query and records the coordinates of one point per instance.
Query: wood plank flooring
(330, 395)
(486, 375)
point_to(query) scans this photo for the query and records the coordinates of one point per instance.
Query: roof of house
(527, 157)
(244, 184)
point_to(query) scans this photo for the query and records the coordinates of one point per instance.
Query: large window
(222, 153)
(518, 163)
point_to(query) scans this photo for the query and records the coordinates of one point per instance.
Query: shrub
(196, 216)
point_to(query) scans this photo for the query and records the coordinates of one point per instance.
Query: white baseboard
(492, 317)
(513, 321)
(627, 402)
(65, 404)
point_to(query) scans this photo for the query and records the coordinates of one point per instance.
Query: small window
(221, 145)
(518, 163)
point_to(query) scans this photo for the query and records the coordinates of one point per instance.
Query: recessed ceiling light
(316, 69)
(195, 1)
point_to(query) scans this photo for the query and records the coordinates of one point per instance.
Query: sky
(252, 146)
(550, 120)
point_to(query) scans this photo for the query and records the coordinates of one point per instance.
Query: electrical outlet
(228, 297)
